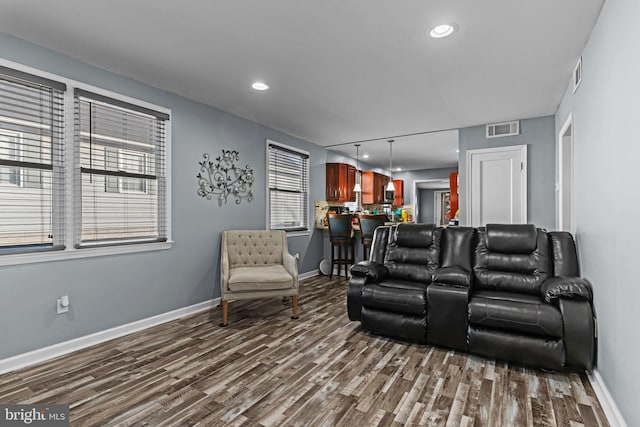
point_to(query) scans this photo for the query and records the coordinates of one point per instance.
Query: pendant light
(390, 186)
(357, 188)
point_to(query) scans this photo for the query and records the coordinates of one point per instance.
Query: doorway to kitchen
(425, 199)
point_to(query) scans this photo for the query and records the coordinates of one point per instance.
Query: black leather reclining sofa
(510, 292)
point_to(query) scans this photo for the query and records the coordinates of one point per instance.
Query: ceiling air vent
(496, 130)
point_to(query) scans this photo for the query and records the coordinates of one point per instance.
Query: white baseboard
(42, 354)
(309, 274)
(606, 400)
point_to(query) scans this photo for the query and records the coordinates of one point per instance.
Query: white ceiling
(439, 184)
(428, 151)
(340, 71)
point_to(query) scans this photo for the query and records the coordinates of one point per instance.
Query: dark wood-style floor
(266, 369)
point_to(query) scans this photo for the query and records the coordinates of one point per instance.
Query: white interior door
(498, 185)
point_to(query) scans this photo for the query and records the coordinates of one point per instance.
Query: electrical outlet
(62, 304)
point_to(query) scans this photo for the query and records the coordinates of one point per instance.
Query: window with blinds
(288, 199)
(32, 163)
(121, 180)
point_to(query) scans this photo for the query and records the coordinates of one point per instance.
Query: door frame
(416, 204)
(437, 205)
(568, 123)
(523, 172)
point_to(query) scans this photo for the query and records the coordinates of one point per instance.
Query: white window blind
(288, 172)
(120, 173)
(32, 163)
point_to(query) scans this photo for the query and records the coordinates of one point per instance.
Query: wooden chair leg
(347, 254)
(332, 260)
(353, 254)
(294, 299)
(225, 312)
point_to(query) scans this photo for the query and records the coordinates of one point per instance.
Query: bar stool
(368, 224)
(341, 236)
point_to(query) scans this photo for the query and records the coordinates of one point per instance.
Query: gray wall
(426, 206)
(114, 290)
(606, 197)
(539, 136)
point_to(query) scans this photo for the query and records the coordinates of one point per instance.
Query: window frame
(292, 233)
(121, 182)
(70, 252)
(19, 156)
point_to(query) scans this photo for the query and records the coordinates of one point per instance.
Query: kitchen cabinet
(373, 185)
(340, 179)
(351, 182)
(453, 195)
(398, 196)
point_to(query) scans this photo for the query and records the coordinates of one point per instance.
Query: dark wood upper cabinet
(366, 182)
(340, 179)
(351, 182)
(373, 185)
(398, 195)
(453, 194)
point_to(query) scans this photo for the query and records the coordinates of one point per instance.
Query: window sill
(298, 233)
(66, 254)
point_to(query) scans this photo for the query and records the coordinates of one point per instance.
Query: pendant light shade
(390, 186)
(357, 188)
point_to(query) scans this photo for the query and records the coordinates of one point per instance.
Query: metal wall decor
(222, 178)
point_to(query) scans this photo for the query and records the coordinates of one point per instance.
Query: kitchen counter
(355, 226)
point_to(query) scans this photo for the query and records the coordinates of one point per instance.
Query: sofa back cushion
(512, 258)
(252, 248)
(413, 252)
(511, 238)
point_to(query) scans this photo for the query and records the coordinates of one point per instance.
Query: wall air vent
(496, 130)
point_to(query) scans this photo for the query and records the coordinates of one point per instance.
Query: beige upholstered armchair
(256, 264)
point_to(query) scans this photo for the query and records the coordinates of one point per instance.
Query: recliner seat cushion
(521, 313)
(398, 296)
(255, 278)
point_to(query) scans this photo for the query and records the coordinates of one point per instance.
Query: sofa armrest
(566, 287)
(452, 276)
(373, 271)
(579, 324)
(291, 265)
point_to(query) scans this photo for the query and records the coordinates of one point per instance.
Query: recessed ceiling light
(365, 156)
(442, 31)
(398, 169)
(457, 151)
(260, 86)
